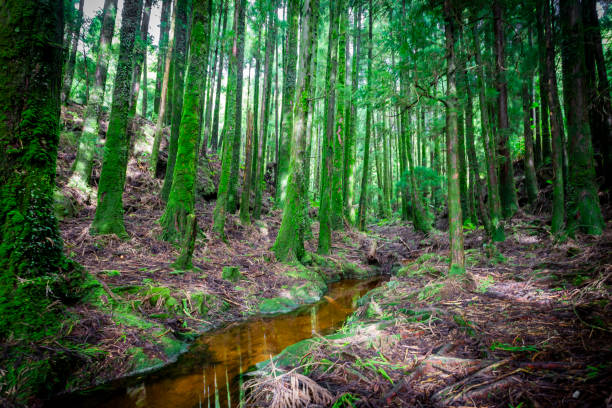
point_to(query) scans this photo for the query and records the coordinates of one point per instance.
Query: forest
(305, 203)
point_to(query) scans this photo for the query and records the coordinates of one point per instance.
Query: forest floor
(141, 312)
(535, 327)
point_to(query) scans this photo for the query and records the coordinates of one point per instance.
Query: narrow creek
(208, 374)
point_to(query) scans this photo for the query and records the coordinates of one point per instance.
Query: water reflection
(208, 374)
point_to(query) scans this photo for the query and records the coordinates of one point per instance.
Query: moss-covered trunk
(214, 135)
(236, 135)
(83, 164)
(162, 104)
(558, 212)
(181, 199)
(507, 190)
(233, 124)
(109, 212)
(162, 49)
(289, 244)
(259, 181)
(327, 156)
(348, 173)
(340, 125)
(455, 221)
(140, 55)
(289, 83)
(583, 210)
(179, 58)
(361, 221)
(497, 229)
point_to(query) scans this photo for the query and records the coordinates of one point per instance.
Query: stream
(208, 374)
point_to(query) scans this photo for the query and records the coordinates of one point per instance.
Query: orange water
(201, 376)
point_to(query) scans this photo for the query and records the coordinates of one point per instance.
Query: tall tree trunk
(361, 222)
(289, 72)
(76, 35)
(140, 55)
(289, 244)
(162, 50)
(558, 213)
(327, 168)
(34, 274)
(265, 113)
(255, 142)
(497, 228)
(544, 116)
(83, 164)
(232, 199)
(600, 105)
(245, 196)
(348, 179)
(179, 56)
(109, 212)
(583, 210)
(311, 106)
(507, 189)
(163, 95)
(340, 125)
(455, 228)
(181, 201)
(145, 91)
(233, 128)
(214, 143)
(531, 184)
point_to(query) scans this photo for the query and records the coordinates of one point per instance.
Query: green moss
(231, 273)
(277, 305)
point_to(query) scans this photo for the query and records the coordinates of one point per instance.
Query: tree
(162, 104)
(233, 125)
(348, 176)
(366, 147)
(215, 124)
(139, 60)
(265, 112)
(75, 36)
(289, 72)
(83, 164)
(327, 157)
(455, 220)
(175, 221)
(289, 244)
(583, 210)
(109, 212)
(339, 137)
(162, 50)
(507, 190)
(554, 110)
(34, 274)
(179, 58)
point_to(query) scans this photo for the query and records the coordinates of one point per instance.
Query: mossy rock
(203, 303)
(277, 305)
(231, 273)
(306, 293)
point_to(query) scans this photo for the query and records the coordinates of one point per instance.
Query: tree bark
(583, 210)
(162, 50)
(109, 212)
(507, 189)
(76, 35)
(83, 163)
